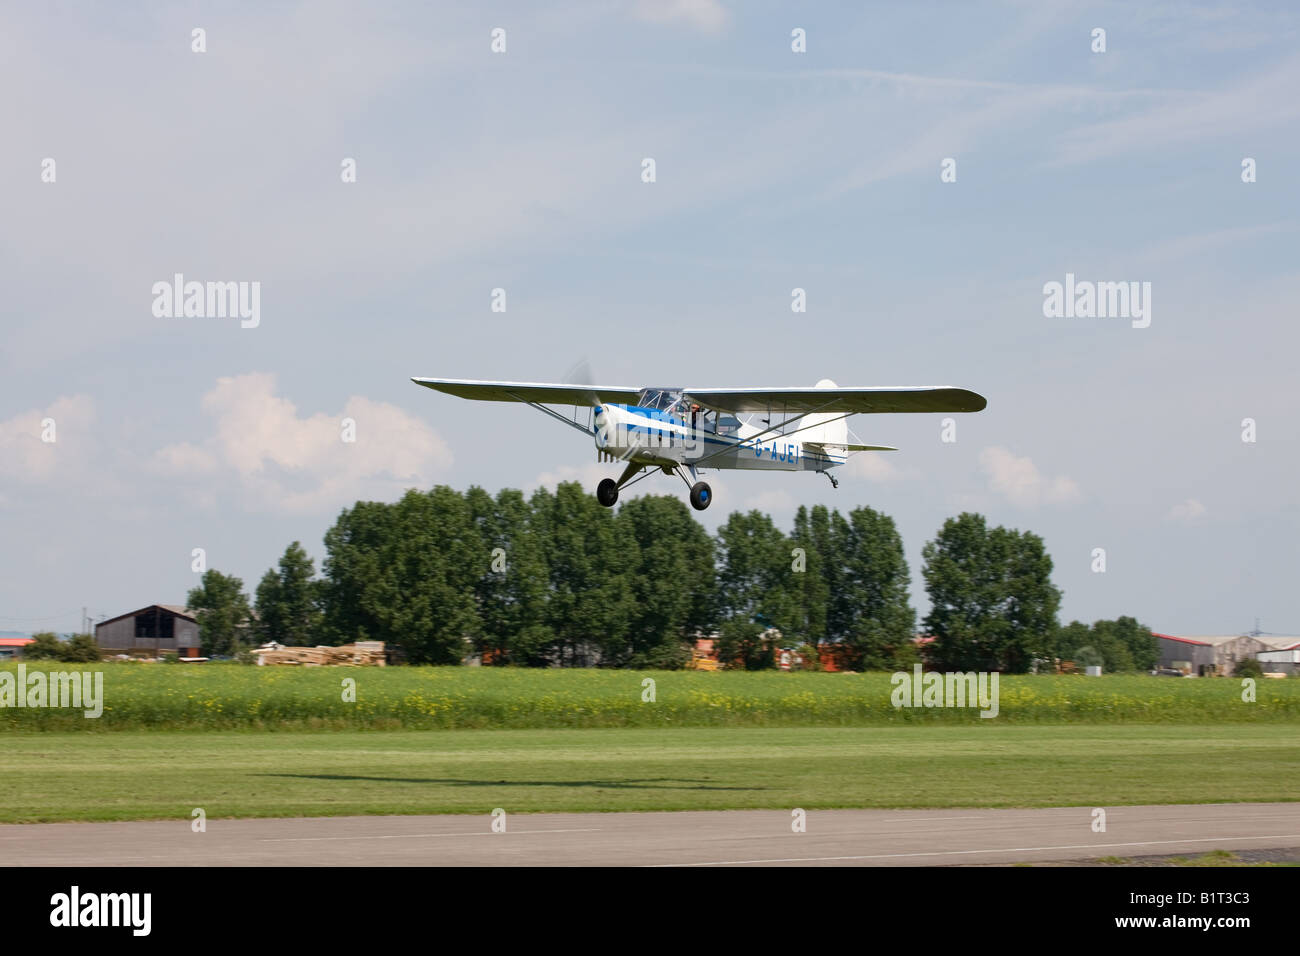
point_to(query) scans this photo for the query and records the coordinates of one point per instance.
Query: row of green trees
(47, 646)
(556, 578)
(1119, 645)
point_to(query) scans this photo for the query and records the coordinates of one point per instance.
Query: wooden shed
(150, 631)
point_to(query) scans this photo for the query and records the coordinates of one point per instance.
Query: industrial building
(1186, 654)
(150, 632)
(1230, 648)
(1218, 654)
(1283, 657)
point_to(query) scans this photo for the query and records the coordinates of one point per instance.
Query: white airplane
(677, 430)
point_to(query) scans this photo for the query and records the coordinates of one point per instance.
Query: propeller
(580, 374)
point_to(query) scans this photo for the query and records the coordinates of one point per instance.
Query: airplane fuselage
(654, 437)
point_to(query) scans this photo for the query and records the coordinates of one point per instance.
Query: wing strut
(554, 414)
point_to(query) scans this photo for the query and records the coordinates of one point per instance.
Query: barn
(150, 632)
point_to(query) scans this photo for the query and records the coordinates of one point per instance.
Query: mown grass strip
(165, 775)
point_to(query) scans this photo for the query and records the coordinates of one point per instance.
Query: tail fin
(825, 428)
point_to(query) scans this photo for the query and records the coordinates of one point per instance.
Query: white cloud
(1186, 511)
(185, 459)
(873, 466)
(24, 456)
(1021, 483)
(288, 462)
(707, 15)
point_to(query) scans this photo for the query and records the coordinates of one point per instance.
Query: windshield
(659, 398)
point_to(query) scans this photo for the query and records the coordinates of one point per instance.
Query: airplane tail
(824, 428)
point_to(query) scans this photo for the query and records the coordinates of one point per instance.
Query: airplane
(678, 430)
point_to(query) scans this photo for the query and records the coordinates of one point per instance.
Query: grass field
(134, 774)
(281, 741)
(232, 696)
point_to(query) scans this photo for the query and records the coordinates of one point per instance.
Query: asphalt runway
(713, 838)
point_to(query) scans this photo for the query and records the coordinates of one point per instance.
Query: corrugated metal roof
(15, 641)
(1268, 640)
(1183, 640)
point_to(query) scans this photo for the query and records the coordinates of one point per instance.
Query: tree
(1248, 667)
(672, 582)
(1120, 645)
(741, 643)
(513, 590)
(288, 600)
(1089, 656)
(1115, 654)
(590, 560)
(1067, 640)
(44, 646)
(756, 580)
(81, 649)
(356, 547)
(223, 613)
(873, 608)
(1141, 646)
(406, 574)
(993, 603)
(819, 576)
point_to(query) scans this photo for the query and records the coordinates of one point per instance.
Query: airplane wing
(538, 392)
(924, 398)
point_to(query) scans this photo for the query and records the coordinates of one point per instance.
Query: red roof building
(11, 647)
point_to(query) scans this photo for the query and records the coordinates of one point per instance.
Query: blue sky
(775, 170)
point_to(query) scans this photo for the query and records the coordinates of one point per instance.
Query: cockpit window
(659, 398)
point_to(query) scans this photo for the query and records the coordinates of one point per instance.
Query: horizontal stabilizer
(819, 446)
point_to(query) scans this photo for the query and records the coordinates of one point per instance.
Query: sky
(522, 170)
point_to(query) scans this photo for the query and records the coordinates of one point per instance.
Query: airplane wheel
(607, 492)
(701, 495)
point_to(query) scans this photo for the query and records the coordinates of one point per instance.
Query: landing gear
(835, 482)
(701, 495)
(607, 492)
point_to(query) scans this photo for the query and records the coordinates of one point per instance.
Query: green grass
(133, 774)
(466, 740)
(231, 696)
(1212, 858)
